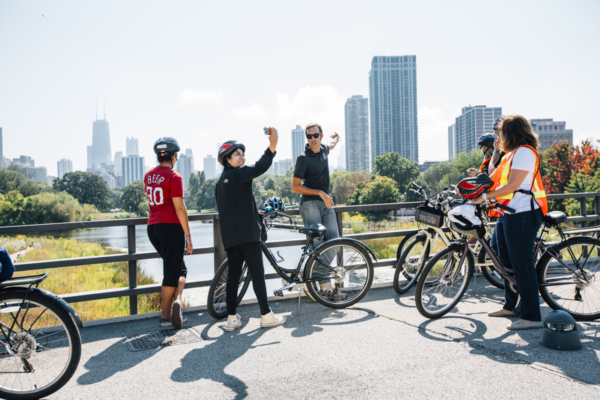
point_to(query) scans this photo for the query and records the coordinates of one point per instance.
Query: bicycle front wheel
(40, 346)
(351, 280)
(217, 293)
(444, 281)
(579, 297)
(411, 263)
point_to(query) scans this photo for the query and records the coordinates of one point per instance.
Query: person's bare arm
(335, 138)
(182, 215)
(517, 176)
(298, 187)
(495, 157)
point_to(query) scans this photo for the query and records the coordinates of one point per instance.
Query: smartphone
(266, 131)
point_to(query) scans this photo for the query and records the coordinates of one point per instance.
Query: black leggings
(252, 254)
(169, 242)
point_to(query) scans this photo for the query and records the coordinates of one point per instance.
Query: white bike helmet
(463, 219)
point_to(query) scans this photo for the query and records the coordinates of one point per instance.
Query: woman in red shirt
(168, 228)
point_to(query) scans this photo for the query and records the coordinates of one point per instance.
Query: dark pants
(515, 236)
(251, 253)
(169, 242)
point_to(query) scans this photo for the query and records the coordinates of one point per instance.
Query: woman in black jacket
(241, 226)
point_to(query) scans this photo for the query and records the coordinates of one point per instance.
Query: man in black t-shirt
(316, 206)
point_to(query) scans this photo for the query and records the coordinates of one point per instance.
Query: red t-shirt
(162, 184)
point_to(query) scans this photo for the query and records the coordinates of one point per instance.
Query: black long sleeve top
(238, 215)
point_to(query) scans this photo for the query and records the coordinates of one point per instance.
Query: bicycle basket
(429, 216)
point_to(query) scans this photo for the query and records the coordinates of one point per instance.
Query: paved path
(380, 349)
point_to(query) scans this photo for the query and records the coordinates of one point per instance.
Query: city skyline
(51, 82)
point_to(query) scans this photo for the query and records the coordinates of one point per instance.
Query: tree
(115, 195)
(380, 190)
(464, 161)
(87, 188)
(194, 189)
(401, 170)
(345, 185)
(134, 196)
(12, 179)
(207, 195)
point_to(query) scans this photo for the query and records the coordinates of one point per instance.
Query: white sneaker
(270, 320)
(233, 322)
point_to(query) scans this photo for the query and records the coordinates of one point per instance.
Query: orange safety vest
(502, 174)
(485, 163)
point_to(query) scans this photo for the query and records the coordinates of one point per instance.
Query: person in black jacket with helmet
(241, 226)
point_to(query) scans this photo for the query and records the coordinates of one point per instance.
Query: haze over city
(205, 73)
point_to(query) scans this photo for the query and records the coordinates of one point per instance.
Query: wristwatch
(484, 196)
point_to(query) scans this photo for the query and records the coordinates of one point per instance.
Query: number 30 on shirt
(155, 195)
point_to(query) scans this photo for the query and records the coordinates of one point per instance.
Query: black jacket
(238, 214)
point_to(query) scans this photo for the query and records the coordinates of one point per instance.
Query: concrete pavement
(380, 349)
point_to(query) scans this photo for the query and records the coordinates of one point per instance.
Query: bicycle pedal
(278, 293)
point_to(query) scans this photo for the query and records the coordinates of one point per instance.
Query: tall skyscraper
(100, 149)
(119, 163)
(451, 142)
(298, 143)
(357, 134)
(133, 169)
(210, 167)
(393, 94)
(1, 150)
(282, 166)
(185, 167)
(474, 122)
(64, 167)
(132, 148)
(342, 158)
(550, 131)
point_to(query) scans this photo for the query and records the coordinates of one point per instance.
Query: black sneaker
(164, 321)
(177, 316)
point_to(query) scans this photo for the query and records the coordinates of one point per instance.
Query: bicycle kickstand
(300, 289)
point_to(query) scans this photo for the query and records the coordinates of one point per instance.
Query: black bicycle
(337, 274)
(568, 271)
(40, 344)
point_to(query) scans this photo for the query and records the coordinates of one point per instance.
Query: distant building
(1, 150)
(282, 166)
(24, 162)
(100, 149)
(474, 122)
(550, 131)
(38, 174)
(118, 163)
(133, 169)
(298, 142)
(89, 157)
(357, 135)
(393, 96)
(132, 148)
(341, 161)
(50, 180)
(185, 167)
(64, 167)
(110, 180)
(210, 167)
(451, 142)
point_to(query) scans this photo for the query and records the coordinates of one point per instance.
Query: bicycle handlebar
(493, 204)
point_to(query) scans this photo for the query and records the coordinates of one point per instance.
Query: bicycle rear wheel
(444, 281)
(352, 279)
(411, 263)
(581, 299)
(217, 295)
(40, 350)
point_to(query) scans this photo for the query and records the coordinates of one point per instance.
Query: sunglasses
(313, 136)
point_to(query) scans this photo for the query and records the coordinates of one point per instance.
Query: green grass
(86, 278)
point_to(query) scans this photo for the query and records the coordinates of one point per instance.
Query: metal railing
(217, 249)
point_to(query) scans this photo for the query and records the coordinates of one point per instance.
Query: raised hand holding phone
(273, 137)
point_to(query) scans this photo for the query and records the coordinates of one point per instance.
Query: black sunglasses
(313, 136)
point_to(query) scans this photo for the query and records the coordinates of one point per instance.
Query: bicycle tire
(490, 272)
(422, 283)
(218, 308)
(402, 244)
(71, 333)
(549, 295)
(318, 295)
(403, 286)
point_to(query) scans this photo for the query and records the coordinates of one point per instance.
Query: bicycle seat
(315, 230)
(555, 217)
(23, 280)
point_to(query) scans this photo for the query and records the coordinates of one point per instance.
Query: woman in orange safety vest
(518, 185)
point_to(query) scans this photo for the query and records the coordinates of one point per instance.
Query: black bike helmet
(228, 148)
(274, 203)
(487, 140)
(470, 188)
(166, 145)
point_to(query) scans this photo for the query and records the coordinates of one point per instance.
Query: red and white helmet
(470, 188)
(228, 148)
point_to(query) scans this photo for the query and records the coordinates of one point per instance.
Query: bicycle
(35, 360)
(417, 248)
(338, 273)
(566, 273)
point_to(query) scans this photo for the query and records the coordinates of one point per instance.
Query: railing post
(220, 254)
(133, 306)
(583, 210)
(340, 223)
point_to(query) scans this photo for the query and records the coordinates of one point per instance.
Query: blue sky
(206, 72)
